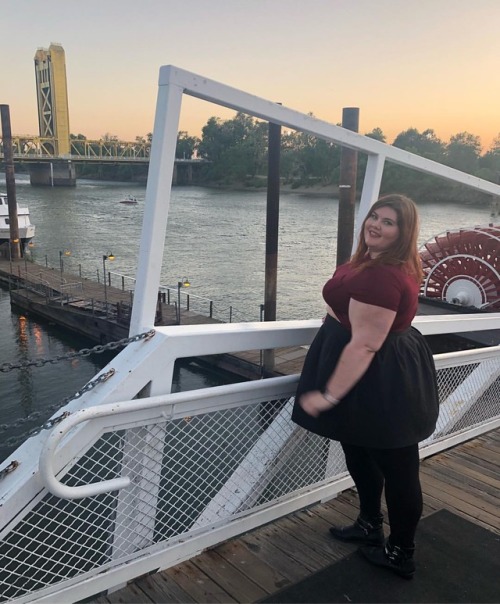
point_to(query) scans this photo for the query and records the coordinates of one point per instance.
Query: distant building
(52, 96)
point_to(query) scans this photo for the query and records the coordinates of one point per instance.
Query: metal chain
(84, 352)
(14, 440)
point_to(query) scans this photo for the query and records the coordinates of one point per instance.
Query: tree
(402, 179)
(463, 152)
(489, 163)
(377, 134)
(426, 144)
(235, 148)
(186, 145)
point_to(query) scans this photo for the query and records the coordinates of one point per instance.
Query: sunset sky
(404, 63)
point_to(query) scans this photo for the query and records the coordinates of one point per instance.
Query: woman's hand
(314, 403)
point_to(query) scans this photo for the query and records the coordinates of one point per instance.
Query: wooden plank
(160, 587)
(486, 467)
(485, 454)
(254, 567)
(313, 531)
(471, 467)
(443, 506)
(331, 514)
(196, 583)
(458, 486)
(232, 581)
(132, 594)
(348, 504)
(460, 475)
(280, 560)
(491, 436)
(453, 498)
(295, 548)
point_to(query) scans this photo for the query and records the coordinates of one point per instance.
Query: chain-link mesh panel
(60, 539)
(188, 474)
(469, 396)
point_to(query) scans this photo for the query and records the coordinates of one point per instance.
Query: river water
(214, 238)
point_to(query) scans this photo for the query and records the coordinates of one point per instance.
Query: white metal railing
(195, 468)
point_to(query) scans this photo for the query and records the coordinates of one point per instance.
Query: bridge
(37, 148)
(52, 154)
(46, 167)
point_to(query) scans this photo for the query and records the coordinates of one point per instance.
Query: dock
(102, 315)
(258, 564)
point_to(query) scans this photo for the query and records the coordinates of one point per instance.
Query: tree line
(235, 151)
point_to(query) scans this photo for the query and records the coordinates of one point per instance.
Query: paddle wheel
(463, 267)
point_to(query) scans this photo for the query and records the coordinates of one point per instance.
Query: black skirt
(395, 403)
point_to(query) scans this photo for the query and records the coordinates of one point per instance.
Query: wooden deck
(464, 480)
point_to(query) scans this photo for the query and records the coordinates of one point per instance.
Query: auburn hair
(404, 252)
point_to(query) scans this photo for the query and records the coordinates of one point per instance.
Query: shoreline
(315, 190)
(319, 190)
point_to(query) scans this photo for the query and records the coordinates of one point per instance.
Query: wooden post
(10, 182)
(347, 189)
(272, 223)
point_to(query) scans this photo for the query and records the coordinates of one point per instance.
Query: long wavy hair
(404, 251)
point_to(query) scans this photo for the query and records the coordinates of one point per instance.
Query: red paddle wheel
(463, 267)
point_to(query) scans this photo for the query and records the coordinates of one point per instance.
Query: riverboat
(461, 276)
(129, 478)
(26, 229)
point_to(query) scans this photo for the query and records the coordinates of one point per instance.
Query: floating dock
(102, 314)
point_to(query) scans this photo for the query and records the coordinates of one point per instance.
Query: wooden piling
(272, 224)
(347, 189)
(10, 183)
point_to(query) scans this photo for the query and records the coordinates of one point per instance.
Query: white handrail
(169, 406)
(181, 404)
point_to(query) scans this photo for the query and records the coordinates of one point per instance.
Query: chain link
(36, 415)
(84, 352)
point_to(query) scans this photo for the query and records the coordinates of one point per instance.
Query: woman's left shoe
(396, 558)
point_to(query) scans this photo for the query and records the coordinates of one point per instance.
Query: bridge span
(48, 168)
(52, 155)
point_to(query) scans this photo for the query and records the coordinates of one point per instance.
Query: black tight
(398, 470)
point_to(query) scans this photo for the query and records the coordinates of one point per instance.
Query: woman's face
(381, 230)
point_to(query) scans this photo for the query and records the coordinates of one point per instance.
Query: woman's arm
(370, 326)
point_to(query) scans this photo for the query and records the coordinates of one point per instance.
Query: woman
(369, 381)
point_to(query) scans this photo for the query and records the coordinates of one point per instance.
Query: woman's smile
(381, 230)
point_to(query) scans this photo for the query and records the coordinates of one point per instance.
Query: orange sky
(412, 63)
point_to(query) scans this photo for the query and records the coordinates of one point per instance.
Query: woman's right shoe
(369, 532)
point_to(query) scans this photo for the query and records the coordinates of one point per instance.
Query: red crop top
(381, 285)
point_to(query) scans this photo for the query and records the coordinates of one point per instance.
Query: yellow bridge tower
(53, 116)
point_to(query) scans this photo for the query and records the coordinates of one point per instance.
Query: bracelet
(330, 398)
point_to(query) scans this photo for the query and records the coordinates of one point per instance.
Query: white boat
(128, 478)
(26, 229)
(130, 199)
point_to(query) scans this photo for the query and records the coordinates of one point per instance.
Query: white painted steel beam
(221, 94)
(157, 203)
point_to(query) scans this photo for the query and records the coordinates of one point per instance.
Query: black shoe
(362, 531)
(398, 559)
